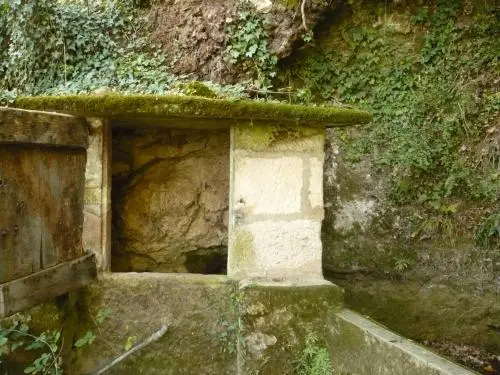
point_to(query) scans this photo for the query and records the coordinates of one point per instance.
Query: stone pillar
(276, 202)
(97, 207)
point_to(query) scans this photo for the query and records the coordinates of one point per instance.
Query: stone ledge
(137, 110)
(361, 346)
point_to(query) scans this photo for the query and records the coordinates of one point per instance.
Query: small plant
(488, 234)
(228, 336)
(402, 264)
(314, 360)
(307, 36)
(248, 47)
(19, 336)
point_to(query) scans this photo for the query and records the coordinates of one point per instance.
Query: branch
(303, 12)
(154, 337)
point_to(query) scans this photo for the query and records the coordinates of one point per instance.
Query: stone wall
(170, 200)
(220, 326)
(426, 286)
(276, 202)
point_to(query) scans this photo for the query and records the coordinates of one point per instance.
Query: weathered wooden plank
(61, 204)
(42, 128)
(31, 290)
(41, 208)
(20, 223)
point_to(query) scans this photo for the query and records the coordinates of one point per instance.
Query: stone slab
(361, 346)
(97, 200)
(315, 184)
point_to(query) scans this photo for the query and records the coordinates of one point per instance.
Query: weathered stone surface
(269, 186)
(315, 188)
(193, 32)
(96, 235)
(277, 318)
(276, 202)
(360, 346)
(433, 311)
(439, 281)
(196, 308)
(170, 198)
(272, 138)
(277, 249)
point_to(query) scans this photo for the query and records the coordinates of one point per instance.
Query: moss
(196, 88)
(268, 137)
(192, 305)
(243, 249)
(289, 314)
(290, 4)
(138, 106)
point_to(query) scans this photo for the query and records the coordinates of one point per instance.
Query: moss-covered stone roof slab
(191, 111)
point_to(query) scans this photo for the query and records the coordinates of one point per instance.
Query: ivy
(432, 95)
(248, 47)
(49, 47)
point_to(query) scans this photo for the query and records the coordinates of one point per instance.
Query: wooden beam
(44, 285)
(42, 128)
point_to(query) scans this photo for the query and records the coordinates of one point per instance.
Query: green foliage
(248, 47)
(102, 315)
(47, 344)
(432, 94)
(488, 234)
(19, 336)
(87, 339)
(51, 47)
(402, 264)
(314, 360)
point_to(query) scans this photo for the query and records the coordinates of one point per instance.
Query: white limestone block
(268, 185)
(276, 249)
(315, 183)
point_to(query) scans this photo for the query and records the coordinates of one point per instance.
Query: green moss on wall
(286, 316)
(243, 252)
(431, 311)
(284, 138)
(196, 88)
(290, 4)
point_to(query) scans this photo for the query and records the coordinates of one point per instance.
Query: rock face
(170, 200)
(193, 32)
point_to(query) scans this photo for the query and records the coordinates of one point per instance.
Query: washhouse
(204, 216)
